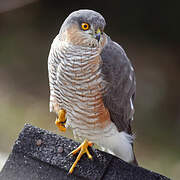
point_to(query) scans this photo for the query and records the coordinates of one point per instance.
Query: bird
(92, 86)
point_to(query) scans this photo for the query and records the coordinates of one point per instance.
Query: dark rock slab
(41, 155)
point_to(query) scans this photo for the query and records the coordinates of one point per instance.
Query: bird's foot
(61, 120)
(83, 148)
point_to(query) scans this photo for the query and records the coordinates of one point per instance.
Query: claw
(83, 148)
(61, 120)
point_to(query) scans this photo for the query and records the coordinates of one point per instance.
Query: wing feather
(118, 72)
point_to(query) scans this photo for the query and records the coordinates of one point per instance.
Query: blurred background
(149, 33)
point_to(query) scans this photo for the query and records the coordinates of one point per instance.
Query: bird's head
(84, 28)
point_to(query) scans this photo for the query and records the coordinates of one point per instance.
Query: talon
(61, 120)
(83, 148)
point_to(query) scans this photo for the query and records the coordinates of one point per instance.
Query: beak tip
(98, 36)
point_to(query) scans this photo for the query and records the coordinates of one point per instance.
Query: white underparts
(119, 145)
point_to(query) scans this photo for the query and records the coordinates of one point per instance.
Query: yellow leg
(83, 148)
(61, 120)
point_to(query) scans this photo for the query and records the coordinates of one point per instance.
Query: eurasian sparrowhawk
(92, 86)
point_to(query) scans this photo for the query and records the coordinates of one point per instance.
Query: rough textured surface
(39, 154)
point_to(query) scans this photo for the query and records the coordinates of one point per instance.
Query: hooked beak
(98, 34)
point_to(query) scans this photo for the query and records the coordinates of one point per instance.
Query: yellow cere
(98, 31)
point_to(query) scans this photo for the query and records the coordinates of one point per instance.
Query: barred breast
(79, 88)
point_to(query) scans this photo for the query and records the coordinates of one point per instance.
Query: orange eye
(85, 26)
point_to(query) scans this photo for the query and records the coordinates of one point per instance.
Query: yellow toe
(83, 148)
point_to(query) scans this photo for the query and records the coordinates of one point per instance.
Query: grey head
(83, 27)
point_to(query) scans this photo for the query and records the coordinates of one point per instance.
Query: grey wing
(119, 73)
(53, 63)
